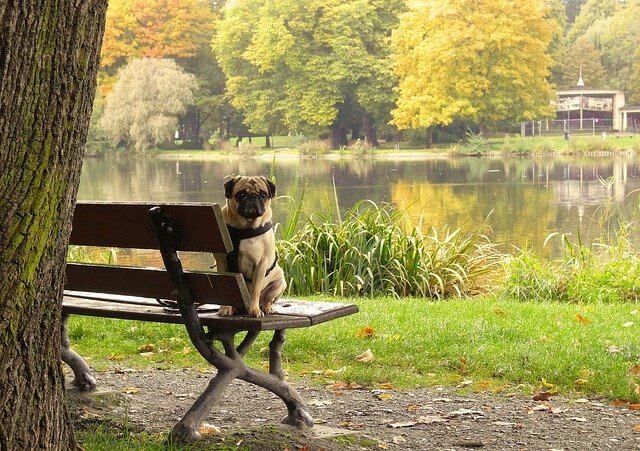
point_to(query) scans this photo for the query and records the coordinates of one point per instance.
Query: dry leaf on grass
(365, 357)
(582, 319)
(149, 347)
(209, 429)
(365, 332)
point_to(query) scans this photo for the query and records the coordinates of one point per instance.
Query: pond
(522, 199)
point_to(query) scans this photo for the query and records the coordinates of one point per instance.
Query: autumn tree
(155, 29)
(485, 61)
(48, 60)
(634, 82)
(309, 65)
(146, 101)
(582, 56)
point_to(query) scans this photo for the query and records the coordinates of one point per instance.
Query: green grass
(498, 345)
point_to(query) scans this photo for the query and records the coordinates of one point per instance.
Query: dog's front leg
(253, 309)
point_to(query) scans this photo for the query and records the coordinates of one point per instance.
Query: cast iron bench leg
(186, 430)
(83, 378)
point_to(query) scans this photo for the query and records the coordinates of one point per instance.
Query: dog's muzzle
(251, 206)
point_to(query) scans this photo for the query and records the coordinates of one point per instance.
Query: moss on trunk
(48, 63)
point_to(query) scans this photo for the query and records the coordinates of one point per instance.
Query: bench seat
(287, 313)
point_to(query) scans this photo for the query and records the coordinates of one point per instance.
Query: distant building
(588, 111)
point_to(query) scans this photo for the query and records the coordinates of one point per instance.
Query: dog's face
(249, 197)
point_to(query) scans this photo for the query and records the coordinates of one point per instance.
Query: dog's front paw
(255, 312)
(227, 310)
(267, 308)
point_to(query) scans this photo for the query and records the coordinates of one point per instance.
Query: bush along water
(606, 271)
(368, 253)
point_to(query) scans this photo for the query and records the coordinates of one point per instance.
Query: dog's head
(249, 197)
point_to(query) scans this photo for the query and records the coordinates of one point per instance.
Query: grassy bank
(473, 146)
(482, 343)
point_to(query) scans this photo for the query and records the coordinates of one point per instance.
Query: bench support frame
(229, 365)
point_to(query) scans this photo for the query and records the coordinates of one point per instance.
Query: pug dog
(247, 214)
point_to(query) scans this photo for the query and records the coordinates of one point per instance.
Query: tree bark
(370, 132)
(49, 51)
(338, 135)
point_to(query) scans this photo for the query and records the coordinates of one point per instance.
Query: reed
(368, 253)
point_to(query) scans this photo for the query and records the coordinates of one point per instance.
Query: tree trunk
(49, 51)
(267, 141)
(338, 135)
(370, 132)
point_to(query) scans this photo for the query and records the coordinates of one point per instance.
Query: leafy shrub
(361, 148)
(246, 149)
(314, 148)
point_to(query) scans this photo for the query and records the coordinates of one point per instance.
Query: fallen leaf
(149, 347)
(430, 419)
(582, 319)
(628, 324)
(635, 370)
(365, 357)
(504, 423)
(384, 396)
(412, 408)
(547, 385)
(461, 412)
(385, 386)
(633, 406)
(114, 357)
(402, 424)
(209, 429)
(499, 312)
(614, 349)
(620, 403)
(186, 350)
(581, 382)
(343, 386)
(319, 402)
(542, 396)
(131, 390)
(147, 354)
(398, 440)
(365, 332)
(636, 428)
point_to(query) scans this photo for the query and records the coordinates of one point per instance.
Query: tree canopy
(143, 108)
(486, 61)
(155, 29)
(307, 65)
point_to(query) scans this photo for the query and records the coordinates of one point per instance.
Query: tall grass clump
(367, 253)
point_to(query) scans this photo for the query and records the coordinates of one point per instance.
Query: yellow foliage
(484, 60)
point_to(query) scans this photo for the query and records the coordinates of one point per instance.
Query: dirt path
(425, 419)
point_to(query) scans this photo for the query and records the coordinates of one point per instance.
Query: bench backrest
(200, 228)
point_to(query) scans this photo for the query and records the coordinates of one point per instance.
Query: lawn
(480, 343)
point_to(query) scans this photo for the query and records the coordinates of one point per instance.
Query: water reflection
(524, 199)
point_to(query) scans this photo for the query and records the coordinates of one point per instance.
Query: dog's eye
(263, 195)
(241, 195)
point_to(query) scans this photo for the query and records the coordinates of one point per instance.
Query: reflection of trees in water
(531, 197)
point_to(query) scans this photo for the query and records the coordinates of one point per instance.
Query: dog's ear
(271, 186)
(228, 187)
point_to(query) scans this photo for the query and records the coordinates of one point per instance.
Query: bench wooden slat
(209, 288)
(296, 314)
(128, 226)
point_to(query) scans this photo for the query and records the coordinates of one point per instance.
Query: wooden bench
(141, 293)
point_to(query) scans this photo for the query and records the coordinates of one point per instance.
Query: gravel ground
(365, 418)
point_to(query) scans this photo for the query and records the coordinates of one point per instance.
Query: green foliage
(143, 109)
(304, 65)
(368, 254)
(600, 273)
